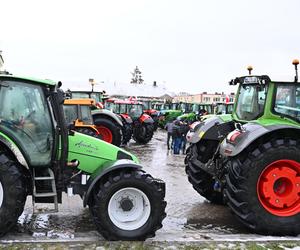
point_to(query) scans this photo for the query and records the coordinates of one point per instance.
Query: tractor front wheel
(202, 181)
(108, 130)
(263, 187)
(12, 193)
(128, 205)
(127, 132)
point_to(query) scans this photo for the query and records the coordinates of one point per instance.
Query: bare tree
(136, 76)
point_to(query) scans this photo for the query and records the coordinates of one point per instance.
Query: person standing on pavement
(177, 137)
(184, 129)
(169, 127)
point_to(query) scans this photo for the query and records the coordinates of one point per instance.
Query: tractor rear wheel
(13, 193)
(263, 187)
(202, 181)
(108, 130)
(128, 205)
(143, 132)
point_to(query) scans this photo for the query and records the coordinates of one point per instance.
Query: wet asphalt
(189, 218)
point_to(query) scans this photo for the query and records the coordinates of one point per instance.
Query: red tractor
(136, 123)
(147, 106)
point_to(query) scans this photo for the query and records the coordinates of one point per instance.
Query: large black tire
(202, 181)
(88, 131)
(13, 193)
(143, 132)
(106, 193)
(127, 132)
(245, 195)
(108, 130)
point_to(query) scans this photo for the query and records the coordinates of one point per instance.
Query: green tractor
(42, 157)
(170, 112)
(196, 112)
(252, 161)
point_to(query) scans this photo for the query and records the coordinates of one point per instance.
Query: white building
(123, 89)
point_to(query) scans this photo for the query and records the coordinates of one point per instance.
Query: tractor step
(44, 178)
(40, 192)
(45, 194)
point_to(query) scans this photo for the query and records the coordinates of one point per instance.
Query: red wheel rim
(105, 134)
(278, 188)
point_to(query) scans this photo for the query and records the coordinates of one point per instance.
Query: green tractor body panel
(190, 117)
(31, 79)
(93, 153)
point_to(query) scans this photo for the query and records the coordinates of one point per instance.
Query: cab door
(25, 118)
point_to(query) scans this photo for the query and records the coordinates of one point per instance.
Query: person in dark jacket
(169, 127)
(184, 129)
(176, 134)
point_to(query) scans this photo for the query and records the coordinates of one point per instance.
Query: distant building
(205, 98)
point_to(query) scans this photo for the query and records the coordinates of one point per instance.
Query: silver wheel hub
(129, 208)
(1, 194)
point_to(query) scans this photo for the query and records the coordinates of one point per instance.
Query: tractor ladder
(42, 193)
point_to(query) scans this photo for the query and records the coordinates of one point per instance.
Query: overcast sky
(190, 45)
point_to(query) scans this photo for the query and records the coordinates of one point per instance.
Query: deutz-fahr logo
(88, 146)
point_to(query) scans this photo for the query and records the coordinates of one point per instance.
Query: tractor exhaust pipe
(296, 62)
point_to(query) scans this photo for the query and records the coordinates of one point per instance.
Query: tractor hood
(92, 153)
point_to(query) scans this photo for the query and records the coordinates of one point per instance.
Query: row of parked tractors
(249, 160)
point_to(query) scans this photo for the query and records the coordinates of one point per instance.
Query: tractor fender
(126, 118)
(249, 133)
(14, 149)
(105, 169)
(108, 114)
(213, 128)
(144, 118)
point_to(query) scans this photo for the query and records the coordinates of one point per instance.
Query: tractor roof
(263, 79)
(127, 101)
(83, 101)
(30, 79)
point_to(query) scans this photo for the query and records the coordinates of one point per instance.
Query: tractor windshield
(147, 105)
(287, 100)
(110, 106)
(80, 95)
(86, 115)
(251, 101)
(134, 110)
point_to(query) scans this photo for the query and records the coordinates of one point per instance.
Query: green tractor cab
(40, 156)
(252, 160)
(196, 113)
(171, 112)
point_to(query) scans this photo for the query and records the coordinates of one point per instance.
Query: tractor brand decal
(88, 146)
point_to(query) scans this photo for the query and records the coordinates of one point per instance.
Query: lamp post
(92, 82)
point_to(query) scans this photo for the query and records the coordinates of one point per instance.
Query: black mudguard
(251, 132)
(213, 128)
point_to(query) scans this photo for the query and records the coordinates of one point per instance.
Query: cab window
(287, 100)
(25, 118)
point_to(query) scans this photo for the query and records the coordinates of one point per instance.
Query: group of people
(177, 131)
